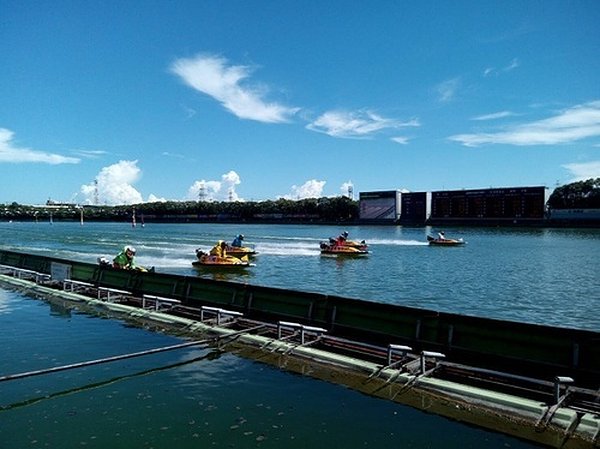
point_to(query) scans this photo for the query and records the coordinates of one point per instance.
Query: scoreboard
(384, 205)
(499, 204)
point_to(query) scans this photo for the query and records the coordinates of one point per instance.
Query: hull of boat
(240, 251)
(228, 262)
(446, 242)
(221, 266)
(347, 249)
(345, 252)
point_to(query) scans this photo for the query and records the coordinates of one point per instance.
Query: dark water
(161, 401)
(194, 398)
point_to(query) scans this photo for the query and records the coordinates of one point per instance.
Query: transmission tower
(202, 192)
(96, 192)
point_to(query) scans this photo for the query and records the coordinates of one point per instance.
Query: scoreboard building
(518, 204)
(415, 207)
(510, 205)
(380, 206)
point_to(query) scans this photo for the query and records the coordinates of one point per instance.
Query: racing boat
(213, 261)
(240, 251)
(362, 245)
(445, 242)
(332, 248)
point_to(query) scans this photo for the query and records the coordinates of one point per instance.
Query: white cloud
(447, 90)
(310, 189)
(114, 185)
(155, 199)
(229, 181)
(358, 124)
(213, 76)
(583, 171)
(223, 190)
(9, 152)
(91, 154)
(204, 190)
(508, 68)
(175, 155)
(512, 65)
(494, 116)
(345, 188)
(576, 123)
(401, 140)
(189, 112)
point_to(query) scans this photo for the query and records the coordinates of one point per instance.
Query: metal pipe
(282, 324)
(104, 360)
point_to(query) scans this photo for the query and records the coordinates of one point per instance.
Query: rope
(103, 383)
(232, 336)
(104, 360)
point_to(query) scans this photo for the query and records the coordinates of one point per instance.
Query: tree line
(325, 209)
(576, 195)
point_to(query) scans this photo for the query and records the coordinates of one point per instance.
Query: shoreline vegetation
(318, 210)
(582, 195)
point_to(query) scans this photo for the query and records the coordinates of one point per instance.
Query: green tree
(577, 195)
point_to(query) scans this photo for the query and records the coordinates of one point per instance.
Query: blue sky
(131, 101)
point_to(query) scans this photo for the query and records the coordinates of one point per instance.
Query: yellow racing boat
(343, 250)
(213, 261)
(240, 251)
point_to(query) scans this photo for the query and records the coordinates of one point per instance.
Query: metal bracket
(432, 355)
(558, 382)
(304, 330)
(220, 313)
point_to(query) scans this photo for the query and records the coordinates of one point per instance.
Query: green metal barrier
(215, 293)
(521, 348)
(279, 304)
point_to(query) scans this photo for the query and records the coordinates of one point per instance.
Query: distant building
(379, 206)
(58, 204)
(415, 207)
(509, 205)
(566, 216)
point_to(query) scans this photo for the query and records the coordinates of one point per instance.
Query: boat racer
(237, 242)
(219, 249)
(341, 240)
(125, 259)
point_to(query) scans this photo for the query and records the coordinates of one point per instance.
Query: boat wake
(394, 242)
(299, 248)
(165, 261)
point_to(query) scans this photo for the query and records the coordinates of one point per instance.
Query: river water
(194, 398)
(544, 276)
